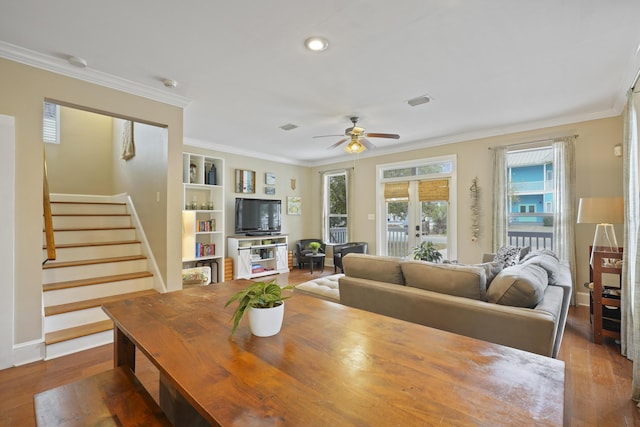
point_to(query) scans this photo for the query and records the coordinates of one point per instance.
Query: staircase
(99, 259)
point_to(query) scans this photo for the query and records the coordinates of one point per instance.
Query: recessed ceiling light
(316, 44)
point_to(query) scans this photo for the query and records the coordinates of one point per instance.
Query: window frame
(50, 125)
(326, 208)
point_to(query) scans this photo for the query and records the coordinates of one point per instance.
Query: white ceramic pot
(266, 322)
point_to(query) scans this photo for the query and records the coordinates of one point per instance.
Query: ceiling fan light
(316, 44)
(354, 147)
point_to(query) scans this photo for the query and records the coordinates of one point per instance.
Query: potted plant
(427, 251)
(314, 246)
(265, 304)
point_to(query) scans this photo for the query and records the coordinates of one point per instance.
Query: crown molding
(61, 66)
(193, 142)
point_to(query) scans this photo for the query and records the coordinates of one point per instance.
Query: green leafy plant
(256, 295)
(427, 251)
(314, 246)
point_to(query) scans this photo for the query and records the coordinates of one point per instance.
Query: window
(336, 207)
(530, 198)
(51, 123)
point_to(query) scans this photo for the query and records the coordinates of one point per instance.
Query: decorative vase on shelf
(212, 175)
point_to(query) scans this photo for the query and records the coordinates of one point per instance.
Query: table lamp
(603, 211)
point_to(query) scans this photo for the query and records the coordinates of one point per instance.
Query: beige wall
(82, 162)
(143, 177)
(24, 89)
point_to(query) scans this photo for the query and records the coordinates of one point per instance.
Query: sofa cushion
(510, 255)
(452, 279)
(372, 267)
(549, 262)
(521, 285)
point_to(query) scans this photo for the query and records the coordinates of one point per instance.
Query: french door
(416, 218)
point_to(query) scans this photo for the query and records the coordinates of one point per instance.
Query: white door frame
(7, 243)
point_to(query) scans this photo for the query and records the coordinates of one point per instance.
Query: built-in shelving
(203, 240)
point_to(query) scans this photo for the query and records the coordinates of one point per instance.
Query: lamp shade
(601, 210)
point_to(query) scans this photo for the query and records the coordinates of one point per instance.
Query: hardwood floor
(597, 377)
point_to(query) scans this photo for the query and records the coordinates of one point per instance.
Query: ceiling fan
(357, 138)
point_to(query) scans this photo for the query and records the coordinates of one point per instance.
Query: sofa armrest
(526, 329)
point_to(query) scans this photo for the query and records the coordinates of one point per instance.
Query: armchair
(339, 251)
(302, 249)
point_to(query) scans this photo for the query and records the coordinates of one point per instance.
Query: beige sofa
(524, 306)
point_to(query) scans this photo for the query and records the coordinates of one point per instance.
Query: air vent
(419, 100)
(288, 126)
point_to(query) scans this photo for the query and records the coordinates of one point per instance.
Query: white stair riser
(87, 208)
(83, 343)
(81, 293)
(91, 221)
(73, 318)
(94, 252)
(64, 274)
(89, 236)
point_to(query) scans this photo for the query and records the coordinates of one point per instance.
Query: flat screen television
(256, 217)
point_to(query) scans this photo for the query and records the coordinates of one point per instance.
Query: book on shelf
(208, 225)
(205, 249)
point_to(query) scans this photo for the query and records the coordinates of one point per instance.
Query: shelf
(605, 320)
(203, 226)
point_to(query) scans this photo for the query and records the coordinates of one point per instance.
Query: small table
(313, 257)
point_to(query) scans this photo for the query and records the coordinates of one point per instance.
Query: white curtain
(630, 299)
(564, 202)
(500, 194)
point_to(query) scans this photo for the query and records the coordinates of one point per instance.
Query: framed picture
(245, 181)
(294, 205)
(270, 190)
(270, 178)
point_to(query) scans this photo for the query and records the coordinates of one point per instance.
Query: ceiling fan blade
(324, 136)
(383, 135)
(368, 144)
(342, 141)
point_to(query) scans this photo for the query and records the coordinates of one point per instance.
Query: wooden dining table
(330, 365)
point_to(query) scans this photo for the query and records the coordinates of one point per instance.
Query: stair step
(77, 332)
(92, 261)
(94, 281)
(58, 208)
(89, 244)
(57, 230)
(71, 202)
(96, 302)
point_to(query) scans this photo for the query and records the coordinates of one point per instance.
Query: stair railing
(48, 220)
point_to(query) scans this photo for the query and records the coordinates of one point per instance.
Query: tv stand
(256, 256)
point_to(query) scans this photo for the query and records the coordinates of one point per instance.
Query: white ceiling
(491, 67)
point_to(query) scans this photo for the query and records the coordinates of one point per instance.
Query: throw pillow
(510, 255)
(521, 285)
(547, 261)
(491, 270)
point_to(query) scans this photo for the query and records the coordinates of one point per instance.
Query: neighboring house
(530, 175)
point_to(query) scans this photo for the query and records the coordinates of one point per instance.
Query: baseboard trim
(28, 352)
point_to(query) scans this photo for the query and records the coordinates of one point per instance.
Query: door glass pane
(434, 220)
(397, 228)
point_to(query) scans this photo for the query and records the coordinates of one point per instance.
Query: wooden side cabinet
(606, 299)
